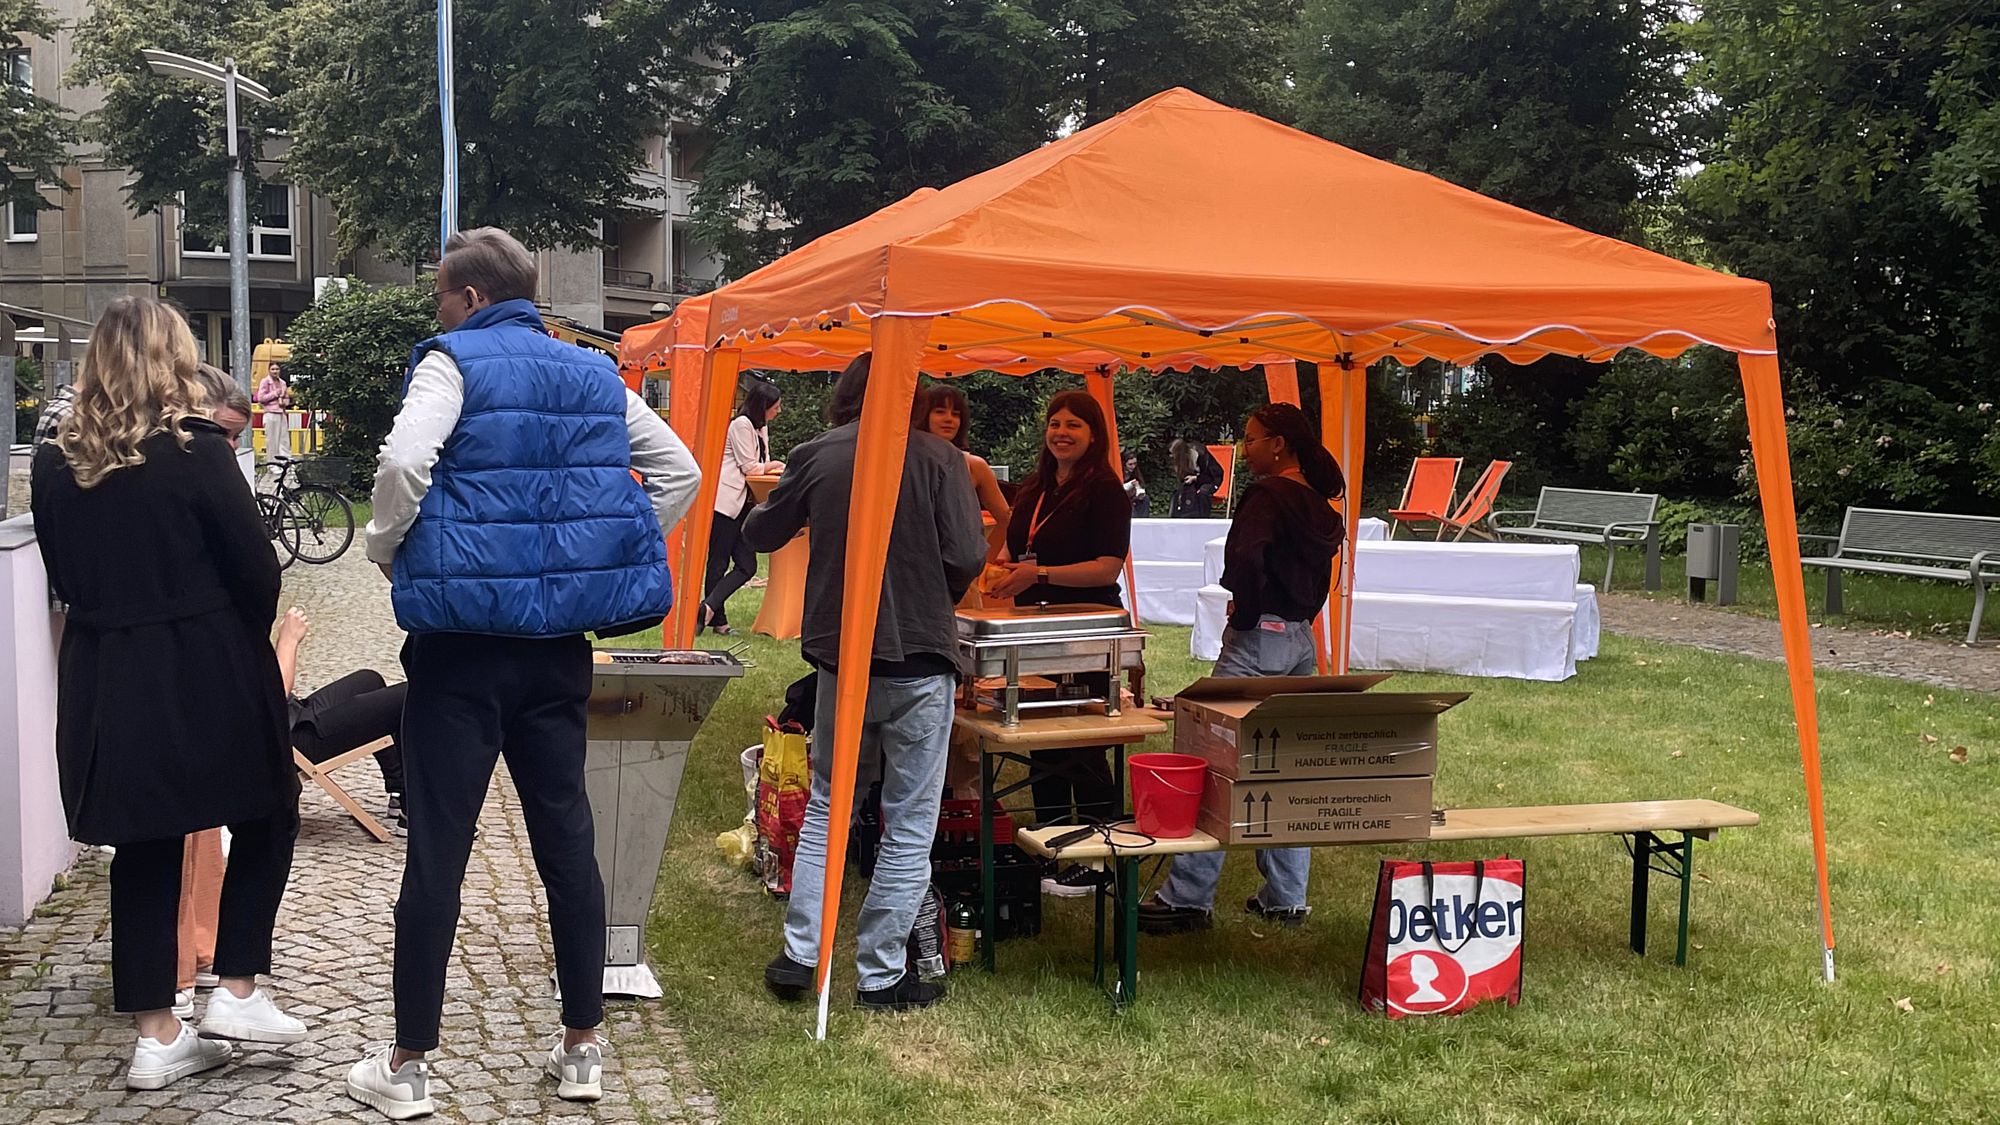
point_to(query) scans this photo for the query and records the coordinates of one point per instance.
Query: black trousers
(473, 700)
(731, 563)
(146, 900)
(354, 710)
(1079, 779)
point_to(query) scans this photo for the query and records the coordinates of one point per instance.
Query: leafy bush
(1675, 427)
(27, 397)
(350, 352)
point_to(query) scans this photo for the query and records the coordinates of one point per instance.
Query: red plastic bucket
(1166, 793)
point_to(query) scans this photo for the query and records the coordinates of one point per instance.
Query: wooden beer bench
(1646, 823)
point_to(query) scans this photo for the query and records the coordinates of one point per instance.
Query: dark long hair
(1322, 472)
(758, 399)
(942, 394)
(1096, 460)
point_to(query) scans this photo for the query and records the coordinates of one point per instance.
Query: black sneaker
(787, 979)
(906, 995)
(1289, 917)
(1075, 881)
(1160, 920)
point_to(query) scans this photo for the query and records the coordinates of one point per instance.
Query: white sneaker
(157, 1065)
(254, 1020)
(579, 1071)
(183, 1008)
(400, 1094)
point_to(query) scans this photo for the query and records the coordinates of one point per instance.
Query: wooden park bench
(1585, 515)
(1914, 545)
(1646, 823)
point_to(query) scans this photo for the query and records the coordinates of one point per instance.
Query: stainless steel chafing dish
(1058, 642)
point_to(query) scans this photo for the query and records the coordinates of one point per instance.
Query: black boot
(787, 979)
(908, 994)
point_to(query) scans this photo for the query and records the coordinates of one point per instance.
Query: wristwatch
(1041, 574)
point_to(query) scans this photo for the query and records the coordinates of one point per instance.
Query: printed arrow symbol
(1249, 810)
(1267, 811)
(1257, 755)
(1274, 747)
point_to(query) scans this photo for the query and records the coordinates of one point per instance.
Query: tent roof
(1183, 231)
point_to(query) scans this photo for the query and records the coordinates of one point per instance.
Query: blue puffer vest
(533, 525)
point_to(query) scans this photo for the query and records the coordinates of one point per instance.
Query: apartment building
(73, 261)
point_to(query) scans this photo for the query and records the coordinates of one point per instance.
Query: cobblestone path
(63, 1050)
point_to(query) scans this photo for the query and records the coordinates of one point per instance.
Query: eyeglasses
(1247, 442)
(438, 296)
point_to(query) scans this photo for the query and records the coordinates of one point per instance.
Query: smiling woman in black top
(1066, 543)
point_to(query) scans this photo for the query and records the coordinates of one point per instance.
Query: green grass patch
(1250, 1023)
(1920, 606)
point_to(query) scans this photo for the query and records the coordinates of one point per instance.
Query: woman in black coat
(170, 714)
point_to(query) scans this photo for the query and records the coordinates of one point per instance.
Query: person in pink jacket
(276, 399)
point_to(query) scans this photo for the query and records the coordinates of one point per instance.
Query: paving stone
(63, 1051)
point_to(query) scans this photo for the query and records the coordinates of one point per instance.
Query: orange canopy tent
(1185, 233)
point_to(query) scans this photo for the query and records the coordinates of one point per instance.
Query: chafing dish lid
(1024, 621)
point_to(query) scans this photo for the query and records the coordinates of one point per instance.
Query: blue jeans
(1252, 652)
(909, 722)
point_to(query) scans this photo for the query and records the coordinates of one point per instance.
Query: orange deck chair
(1225, 455)
(1428, 493)
(1477, 506)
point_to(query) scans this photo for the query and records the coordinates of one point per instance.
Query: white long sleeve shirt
(430, 413)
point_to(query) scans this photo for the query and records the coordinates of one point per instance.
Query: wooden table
(785, 586)
(999, 743)
(1644, 821)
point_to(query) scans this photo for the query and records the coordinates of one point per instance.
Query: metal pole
(239, 241)
(447, 113)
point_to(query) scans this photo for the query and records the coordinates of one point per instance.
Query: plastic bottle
(926, 949)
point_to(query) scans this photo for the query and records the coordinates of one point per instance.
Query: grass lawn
(1873, 601)
(1257, 1024)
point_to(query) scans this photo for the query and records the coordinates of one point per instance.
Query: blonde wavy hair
(138, 380)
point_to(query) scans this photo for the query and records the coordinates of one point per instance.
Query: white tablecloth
(1173, 540)
(1589, 625)
(1166, 591)
(1530, 571)
(1501, 637)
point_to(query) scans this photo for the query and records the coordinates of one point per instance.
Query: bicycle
(304, 513)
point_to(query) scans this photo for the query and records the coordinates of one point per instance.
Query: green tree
(350, 350)
(1852, 160)
(554, 102)
(835, 109)
(1120, 52)
(35, 133)
(168, 131)
(1569, 108)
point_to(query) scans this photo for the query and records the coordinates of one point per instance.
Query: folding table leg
(990, 911)
(1097, 939)
(1128, 933)
(1687, 886)
(1642, 868)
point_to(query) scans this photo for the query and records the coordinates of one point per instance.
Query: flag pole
(448, 200)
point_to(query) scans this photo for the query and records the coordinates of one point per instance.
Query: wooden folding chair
(321, 773)
(1477, 506)
(1428, 493)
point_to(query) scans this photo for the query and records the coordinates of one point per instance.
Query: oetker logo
(1426, 981)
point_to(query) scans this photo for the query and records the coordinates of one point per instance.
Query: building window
(21, 70)
(270, 229)
(23, 224)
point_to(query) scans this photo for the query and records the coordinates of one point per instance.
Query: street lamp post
(233, 85)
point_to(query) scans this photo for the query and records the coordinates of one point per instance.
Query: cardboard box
(1282, 728)
(1339, 811)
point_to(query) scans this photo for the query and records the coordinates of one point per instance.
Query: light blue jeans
(1253, 652)
(909, 722)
